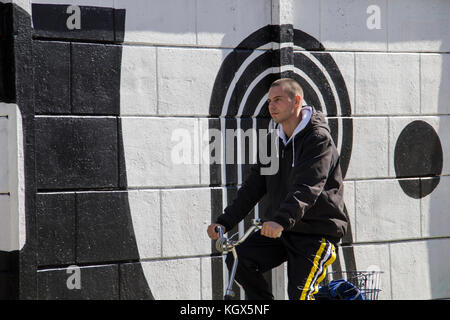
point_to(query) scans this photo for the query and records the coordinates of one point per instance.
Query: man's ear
(298, 100)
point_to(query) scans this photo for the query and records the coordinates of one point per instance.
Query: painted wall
(107, 102)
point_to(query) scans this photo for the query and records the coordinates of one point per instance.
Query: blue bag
(340, 290)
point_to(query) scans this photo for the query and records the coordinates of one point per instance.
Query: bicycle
(224, 245)
(366, 282)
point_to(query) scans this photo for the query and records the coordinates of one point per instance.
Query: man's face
(281, 106)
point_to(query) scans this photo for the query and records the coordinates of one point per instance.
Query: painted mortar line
(389, 162)
(199, 138)
(201, 278)
(184, 116)
(390, 271)
(157, 80)
(400, 115)
(93, 116)
(420, 209)
(387, 25)
(394, 241)
(420, 83)
(213, 187)
(356, 212)
(354, 84)
(70, 78)
(133, 189)
(76, 223)
(196, 21)
(362, 51)
(320, 21)
(160, 223)
(187, 46)
(169, 46)
(168, 258)
(119, 165)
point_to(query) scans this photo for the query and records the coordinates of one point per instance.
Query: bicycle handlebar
(219, 230)
(224, 244)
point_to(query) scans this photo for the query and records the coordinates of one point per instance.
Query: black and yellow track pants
(307, 257)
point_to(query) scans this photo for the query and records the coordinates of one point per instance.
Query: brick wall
(397, 176)
(109, 97)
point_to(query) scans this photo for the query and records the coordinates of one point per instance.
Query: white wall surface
(12, 201)
(394, 75)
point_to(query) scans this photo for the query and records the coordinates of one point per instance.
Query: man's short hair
(290, 86)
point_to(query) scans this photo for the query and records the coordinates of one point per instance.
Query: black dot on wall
(418, 153)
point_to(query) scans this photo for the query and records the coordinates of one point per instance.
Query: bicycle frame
(225, 245)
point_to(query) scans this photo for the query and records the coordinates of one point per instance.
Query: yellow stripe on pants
(324, 272)
(314, 269)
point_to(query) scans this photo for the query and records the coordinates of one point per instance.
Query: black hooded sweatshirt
(305, 195)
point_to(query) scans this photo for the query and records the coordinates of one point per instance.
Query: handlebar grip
(219, 230)
(258, 221)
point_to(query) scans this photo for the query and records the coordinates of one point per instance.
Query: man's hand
(212, 231)
(271, 229)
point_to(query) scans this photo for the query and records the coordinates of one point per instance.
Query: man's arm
(251, 191)
(310, 175)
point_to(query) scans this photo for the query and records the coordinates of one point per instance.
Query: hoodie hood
(318, 120)
(307, 114)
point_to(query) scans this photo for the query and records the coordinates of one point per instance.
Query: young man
(305, 202)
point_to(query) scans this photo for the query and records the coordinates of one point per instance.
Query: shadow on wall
(437, 215)
(191, 32)
(96, 234)
(425, 142)
(411, 28)
(82, 208)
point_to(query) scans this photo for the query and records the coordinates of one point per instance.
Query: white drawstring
(293, 151)
(277, 132)
(305, 120)
(276, 147)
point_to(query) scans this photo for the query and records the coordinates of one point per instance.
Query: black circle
(418, 153)
(272, 58)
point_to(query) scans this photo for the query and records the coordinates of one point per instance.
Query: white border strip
(14, 229)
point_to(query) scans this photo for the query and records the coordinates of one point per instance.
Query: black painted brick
(97, 283)
(6, 22)
(427, 185)
(56, 228)
(216, 210)
(50, 21)
(133, 285)
(123, 183)
(217, 277)
(51, 77)
(105, 229)
(9, 261)
(9, 285)
(7, 72)
(96, 78)
(231, 196)
(246, 126)
(231, 150)
(76, 153)
(119, 24)
(215, 151)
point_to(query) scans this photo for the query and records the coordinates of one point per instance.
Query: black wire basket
(368, 282)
